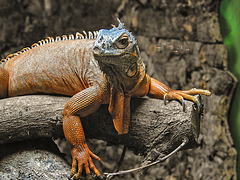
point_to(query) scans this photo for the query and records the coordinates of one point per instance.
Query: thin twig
(148, 165)
(119, 163)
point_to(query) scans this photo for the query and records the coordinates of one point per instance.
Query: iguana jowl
(104, 68)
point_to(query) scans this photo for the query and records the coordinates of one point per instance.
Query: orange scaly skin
(104, 70)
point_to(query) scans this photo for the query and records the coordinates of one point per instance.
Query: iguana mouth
(97, 51)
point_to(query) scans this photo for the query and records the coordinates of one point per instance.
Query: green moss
(230, 26)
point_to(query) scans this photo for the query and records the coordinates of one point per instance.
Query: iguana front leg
(161, 91)
(81, 155)
(81, 104)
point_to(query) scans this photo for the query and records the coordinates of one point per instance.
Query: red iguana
(101, 68)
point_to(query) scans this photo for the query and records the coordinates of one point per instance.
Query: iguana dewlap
(103, 68)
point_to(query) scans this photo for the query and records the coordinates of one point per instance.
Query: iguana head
(117, 52)
(118, 56)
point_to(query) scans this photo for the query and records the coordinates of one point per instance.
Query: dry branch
(154, 127)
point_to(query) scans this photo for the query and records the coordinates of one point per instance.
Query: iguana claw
(82, 158)
(182, 95)
(180, 99)
(164, 99)
(183, 103)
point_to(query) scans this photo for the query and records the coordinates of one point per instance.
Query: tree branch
(155, 129)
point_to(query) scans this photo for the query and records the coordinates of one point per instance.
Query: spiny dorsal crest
(90, 35)
(120, 25)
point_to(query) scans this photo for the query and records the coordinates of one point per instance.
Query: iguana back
(63, 67)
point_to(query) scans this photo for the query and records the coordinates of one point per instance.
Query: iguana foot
(188, 95)
(82, 156)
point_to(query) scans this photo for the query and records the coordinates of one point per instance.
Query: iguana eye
(122, 42)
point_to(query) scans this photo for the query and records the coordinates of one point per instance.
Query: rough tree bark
(153, 125)
(155, 130)
(33, 159)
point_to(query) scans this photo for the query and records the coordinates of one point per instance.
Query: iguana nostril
(103, 45)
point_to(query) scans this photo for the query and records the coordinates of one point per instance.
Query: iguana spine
(84, 35)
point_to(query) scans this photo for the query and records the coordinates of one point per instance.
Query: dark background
(200, 61)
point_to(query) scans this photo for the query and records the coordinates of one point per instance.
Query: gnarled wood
(153, 125)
